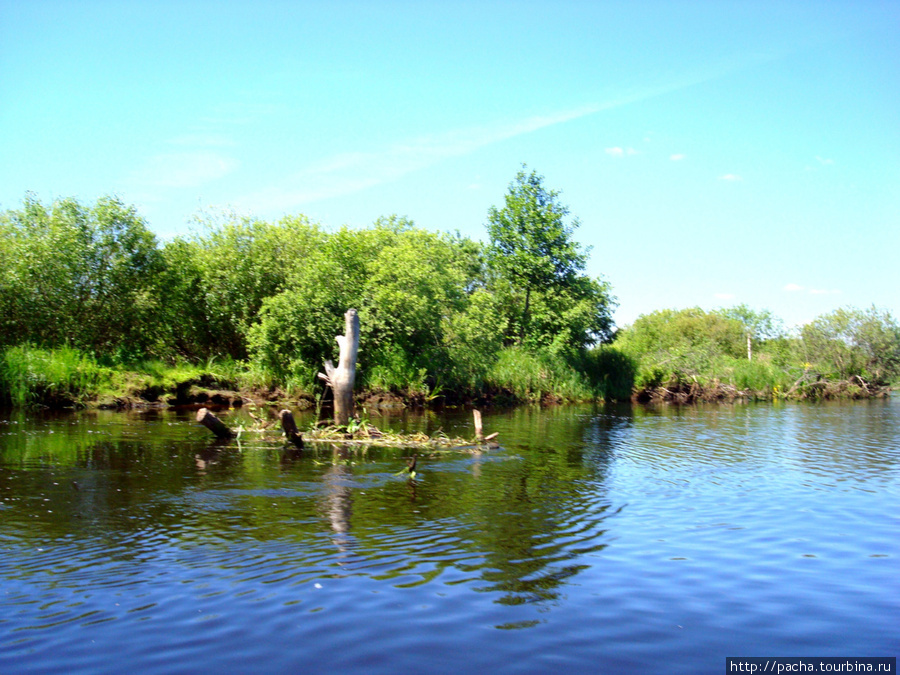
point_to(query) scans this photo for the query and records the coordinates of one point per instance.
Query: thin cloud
(677, 157)
(724, 296)
(620, 152)
(348, 173)
(730, 177)
(824, 161)
(797, 288)
(184, 169)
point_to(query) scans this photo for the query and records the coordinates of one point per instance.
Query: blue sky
(715, 153)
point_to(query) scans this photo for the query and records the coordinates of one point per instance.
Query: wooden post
(214, 424)
(479, 432)
(289, 426)
(342, 378)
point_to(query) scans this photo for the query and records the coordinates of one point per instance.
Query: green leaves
(691, 345)
(530, 241)
(849, 342)
(436, 309)
(680, 345)
(538, 268)
(84, 275)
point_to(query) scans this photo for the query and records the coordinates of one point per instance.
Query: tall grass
(61, 376)
(757, 376)
(529, 377)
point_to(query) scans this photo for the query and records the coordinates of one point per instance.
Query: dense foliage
(440, 314)
(90, 301)
(539, 271)
(846, 352)
(78, 276)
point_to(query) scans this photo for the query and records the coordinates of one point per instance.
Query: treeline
(689, 354)
(92, 304)
(441, 314)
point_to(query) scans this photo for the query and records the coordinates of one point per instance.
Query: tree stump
(479, 432)
(342, 378)
(289, 426)
(214, 424)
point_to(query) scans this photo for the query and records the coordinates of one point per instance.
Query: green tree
(218, 279)
(680, 345)
(84, 276)
(759, 325)
(532, 253)
(410, 286)
(849, 342)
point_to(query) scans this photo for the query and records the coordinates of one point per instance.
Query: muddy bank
(821, 390)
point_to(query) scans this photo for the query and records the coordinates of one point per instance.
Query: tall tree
(758, 324)
(531, 243)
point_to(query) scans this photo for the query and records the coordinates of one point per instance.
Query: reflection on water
(595, 536)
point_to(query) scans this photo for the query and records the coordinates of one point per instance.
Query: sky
(714, 153)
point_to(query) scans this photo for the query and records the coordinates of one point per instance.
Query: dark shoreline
(822, 390)
(674, 394)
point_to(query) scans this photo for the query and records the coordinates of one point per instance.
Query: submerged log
(342, 378)
(214, 424)
(289, 426)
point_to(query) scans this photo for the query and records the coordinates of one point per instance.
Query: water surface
(595, 539)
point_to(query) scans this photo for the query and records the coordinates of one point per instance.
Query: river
(607, 539)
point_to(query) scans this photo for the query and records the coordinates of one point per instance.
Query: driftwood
(214, 424)
(342, 378)
(289, 426)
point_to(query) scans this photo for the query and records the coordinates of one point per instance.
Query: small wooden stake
(479, 432)
(214, 424)
(289, 426)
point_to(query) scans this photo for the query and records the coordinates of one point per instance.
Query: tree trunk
(522, 328)
(342, 378)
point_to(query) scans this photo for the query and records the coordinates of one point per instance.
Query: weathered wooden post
(479, 433)
(341, 379)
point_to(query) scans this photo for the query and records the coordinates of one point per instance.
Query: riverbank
(68, 378)
(820, 390)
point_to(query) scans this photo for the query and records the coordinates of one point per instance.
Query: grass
(757, 376)
(62, 377)
(530, 377)
(59, 377)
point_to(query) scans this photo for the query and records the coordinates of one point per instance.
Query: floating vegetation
(358, 433)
